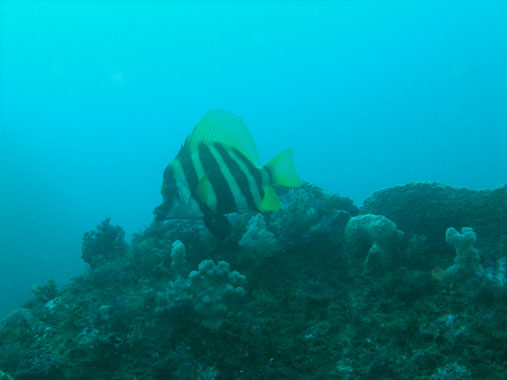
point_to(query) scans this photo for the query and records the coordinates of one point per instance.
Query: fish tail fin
(283, 170)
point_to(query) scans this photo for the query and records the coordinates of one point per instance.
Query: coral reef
(178, 257)
(467, 262)
(258, 239)
(375, 239)
(214, 287)
(5, 376)
(103, 244)
(496, 273)
(430, 208)
(484, 283)
(316, 291)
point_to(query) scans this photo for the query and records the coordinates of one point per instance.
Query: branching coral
(105, 243)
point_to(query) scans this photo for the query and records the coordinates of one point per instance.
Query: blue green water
(97, 97)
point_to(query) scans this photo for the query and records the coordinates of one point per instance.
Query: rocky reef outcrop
(430, 208)
(322, 289)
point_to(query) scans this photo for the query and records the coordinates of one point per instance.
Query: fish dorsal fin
(220, 126)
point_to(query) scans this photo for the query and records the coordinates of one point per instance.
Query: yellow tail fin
(283, 170)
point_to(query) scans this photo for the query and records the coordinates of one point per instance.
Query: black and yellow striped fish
(217, 172)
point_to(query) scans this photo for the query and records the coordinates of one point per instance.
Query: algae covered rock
(106, 242)
(5, 376)
(310, 217)
(375, 239)
(258, 239)
(343, 296)
(430, 208)
(178, 256)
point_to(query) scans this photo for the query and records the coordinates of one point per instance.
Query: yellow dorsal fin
(270, 202)
(203, 189)
(220, 126)
(283, 170)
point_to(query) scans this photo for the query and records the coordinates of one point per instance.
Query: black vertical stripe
(188, 168)
(254, 172)
(270, 173)
(168, 184)
(239, 176)
(225, 199)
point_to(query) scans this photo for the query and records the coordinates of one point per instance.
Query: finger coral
(467, 261)
(214, 289)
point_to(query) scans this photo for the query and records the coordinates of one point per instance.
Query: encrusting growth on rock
(320, 289)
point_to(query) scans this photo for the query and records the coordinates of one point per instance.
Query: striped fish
(217, 172)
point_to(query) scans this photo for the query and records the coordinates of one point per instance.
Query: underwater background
(97, 97)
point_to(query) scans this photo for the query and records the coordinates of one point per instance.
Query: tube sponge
(178, 256)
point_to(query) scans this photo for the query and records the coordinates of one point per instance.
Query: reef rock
(375, 239)
(430, 208)
(285, 296)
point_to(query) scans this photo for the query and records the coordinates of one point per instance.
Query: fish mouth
(161, 212)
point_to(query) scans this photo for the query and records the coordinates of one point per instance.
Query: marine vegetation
(410, 286)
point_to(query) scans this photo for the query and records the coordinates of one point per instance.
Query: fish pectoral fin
(224, 127)
(270, 202)
(283, 169)
(203, 189)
